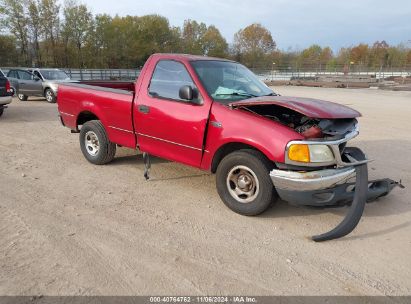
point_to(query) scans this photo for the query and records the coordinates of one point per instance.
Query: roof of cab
(188, 57)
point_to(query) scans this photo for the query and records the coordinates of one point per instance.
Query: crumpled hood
(313, 108)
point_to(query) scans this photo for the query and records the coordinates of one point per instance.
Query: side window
(12, 74)
(168, 77)
(37, 74)
(24, 75)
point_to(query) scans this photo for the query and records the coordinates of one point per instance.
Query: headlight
(310, 153)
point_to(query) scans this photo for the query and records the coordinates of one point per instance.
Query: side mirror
(188, 93)
(36, 78)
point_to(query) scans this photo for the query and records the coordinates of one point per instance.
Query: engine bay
(310, 128)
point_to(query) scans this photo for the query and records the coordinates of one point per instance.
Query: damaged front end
(321, 170)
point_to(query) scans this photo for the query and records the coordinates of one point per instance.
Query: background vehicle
(216, 115)
(37, 82)
(5, 93)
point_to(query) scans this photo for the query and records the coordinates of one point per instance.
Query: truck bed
(77, 102)
(120, 85)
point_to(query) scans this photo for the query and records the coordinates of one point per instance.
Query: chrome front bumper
(327, 187)
(312, 180)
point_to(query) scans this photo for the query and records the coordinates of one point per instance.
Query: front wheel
(22, 97)
(50, 96)
(94, 143)
(243, 182)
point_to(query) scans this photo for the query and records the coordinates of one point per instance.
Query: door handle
(143, 109)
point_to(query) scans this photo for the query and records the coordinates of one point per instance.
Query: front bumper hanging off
(333, 188)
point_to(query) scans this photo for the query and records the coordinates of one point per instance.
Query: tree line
(44, 33)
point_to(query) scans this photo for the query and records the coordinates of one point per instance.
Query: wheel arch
(45, 89)
(231, 147)
(84, 117)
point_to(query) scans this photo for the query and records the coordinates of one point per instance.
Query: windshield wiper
(237, 94)
(272, 94)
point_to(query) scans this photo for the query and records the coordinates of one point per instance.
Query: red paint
(314, 108)
(185, 132)
(121, 85)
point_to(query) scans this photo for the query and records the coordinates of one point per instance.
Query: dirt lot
(70, 228)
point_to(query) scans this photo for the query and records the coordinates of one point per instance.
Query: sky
(294, 23)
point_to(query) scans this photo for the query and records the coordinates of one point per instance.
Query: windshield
(54, 75)
(229, 81)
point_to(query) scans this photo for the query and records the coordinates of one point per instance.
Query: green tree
(8, 51)
(192, 35)
(78, 23)
(253, 45)
(16, 21)
(213, 43)
(35, 29)
(379, 54)
(310, 57)
(50, 26)
(153, 35)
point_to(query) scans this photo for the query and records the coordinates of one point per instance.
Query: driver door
(28, 84)
(166, 125)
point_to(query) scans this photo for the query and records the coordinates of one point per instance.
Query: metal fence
(94, 74)
(263, 74)
(103, 74)
(289, 74)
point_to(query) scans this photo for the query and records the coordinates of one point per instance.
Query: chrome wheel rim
(242, 184)
(21, 96)
(49, 96)
(92, 143)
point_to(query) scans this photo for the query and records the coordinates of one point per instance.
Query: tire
(22, 97)
(13, 91)
(50, 96)
(94, 143)
(250, 169)
(1, 112)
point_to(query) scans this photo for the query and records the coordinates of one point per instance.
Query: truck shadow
(136, 159)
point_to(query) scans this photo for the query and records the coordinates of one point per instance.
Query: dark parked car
(37, 82)
(5, 93)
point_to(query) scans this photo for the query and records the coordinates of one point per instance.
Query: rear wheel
(94, 143)
(243, 182)
(1, 111)
(22, 97)
(50, 96)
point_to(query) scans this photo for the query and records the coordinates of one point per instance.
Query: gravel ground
(70, 228)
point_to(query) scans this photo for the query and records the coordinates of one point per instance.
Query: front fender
(228, 125)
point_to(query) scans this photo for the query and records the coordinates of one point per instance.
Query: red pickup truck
(216, 115)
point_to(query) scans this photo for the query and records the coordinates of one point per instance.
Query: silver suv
(37, 82)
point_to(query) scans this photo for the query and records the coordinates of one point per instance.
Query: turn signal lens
(299, 153)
